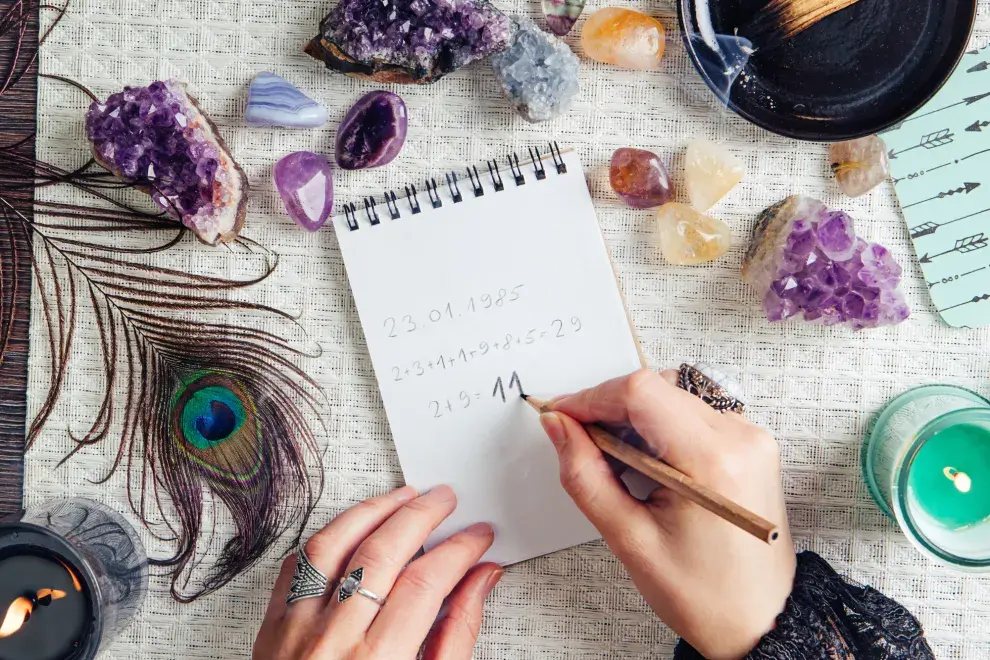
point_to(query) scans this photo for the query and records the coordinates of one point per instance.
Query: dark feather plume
(198, 403)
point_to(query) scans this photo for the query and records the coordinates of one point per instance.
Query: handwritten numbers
(410, 324)
(465, 399)
(419, 368)
(483, 347)
(390, 324)
(576, 322)
(514, 296)
(397, 373)
(435, 405)
(517, 383)
(486, 301)
(471, 307)
(514, 383)
(502, 293)
(557, 323)
(529, 336)
(499, 390)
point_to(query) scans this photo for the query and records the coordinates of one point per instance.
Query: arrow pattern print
(940, 166)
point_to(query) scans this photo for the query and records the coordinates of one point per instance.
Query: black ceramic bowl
(853, 73)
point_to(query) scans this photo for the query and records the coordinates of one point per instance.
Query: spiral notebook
(469, 293)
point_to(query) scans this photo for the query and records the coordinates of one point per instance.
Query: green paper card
(940, 166)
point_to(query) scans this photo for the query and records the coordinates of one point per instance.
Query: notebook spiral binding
(392, 202)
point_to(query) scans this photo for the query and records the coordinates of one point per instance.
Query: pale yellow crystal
(624, 37)
(709, 173)
(688, 237)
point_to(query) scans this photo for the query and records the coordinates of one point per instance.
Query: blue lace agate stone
(274, 101)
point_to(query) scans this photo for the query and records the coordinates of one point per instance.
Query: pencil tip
(523, 396)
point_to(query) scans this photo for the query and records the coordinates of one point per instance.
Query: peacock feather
(201, 396)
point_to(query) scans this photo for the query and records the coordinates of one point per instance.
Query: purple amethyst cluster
(408, 41)
(158, 138)
(807, 260)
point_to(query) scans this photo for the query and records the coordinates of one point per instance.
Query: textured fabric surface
(815, 388)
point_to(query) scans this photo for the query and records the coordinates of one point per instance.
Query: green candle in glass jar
(927, 464)
(950, 476)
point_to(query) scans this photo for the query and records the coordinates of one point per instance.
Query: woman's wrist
(827, 616)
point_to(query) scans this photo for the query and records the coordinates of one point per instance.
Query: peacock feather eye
(215, 424)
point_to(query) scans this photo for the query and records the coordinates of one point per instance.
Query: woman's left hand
(381, 535)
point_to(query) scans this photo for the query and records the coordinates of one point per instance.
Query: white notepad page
(454, 301)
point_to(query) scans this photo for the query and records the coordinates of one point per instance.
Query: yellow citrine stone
(710, 171)
(688, 237)
(623, 37)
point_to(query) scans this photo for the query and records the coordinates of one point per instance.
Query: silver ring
(711, 386)
(352, 585)
(307, 580)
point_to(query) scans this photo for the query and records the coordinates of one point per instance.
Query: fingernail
(493, 579)
(481, 530)
(554, 428)
(443, 493)
(405, 494)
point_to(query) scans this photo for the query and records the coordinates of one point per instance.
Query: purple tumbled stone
(807, 260)
(373, 131)
(639, 178)
(408, 41)
(158, 139)
(305, 183)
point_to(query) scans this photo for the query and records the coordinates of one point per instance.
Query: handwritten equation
(464, 399)
(397, 326)
(557, 329)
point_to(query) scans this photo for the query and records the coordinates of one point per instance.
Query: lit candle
(927, 465)
(950, 476)
(72, 575)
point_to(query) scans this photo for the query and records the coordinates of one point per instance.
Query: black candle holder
(100, 550)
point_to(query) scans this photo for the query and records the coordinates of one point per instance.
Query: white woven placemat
(815, 388)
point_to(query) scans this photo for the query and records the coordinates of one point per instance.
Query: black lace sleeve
(829, 618)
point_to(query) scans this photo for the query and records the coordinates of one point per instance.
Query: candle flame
(960, 480)
(17, 615)
(20, 610)
(75, 580)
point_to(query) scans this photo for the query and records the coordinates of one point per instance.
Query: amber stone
(640, 179)
(623, 37)
(688, 237)
(859, 165)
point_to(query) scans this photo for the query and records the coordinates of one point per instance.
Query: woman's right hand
(715, 585)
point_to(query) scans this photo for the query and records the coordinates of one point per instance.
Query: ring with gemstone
(307, 580)
(711, 385)
(352, 585)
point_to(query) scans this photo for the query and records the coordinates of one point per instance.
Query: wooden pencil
(676, 480)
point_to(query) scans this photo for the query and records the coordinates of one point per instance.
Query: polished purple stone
(373, 131)
(305, 183)
(807, 260)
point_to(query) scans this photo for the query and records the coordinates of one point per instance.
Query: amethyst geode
(159, 139)
(408, 41)
(806, 259)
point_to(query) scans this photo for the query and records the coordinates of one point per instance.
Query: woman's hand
(381, 535)
(715, 585)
